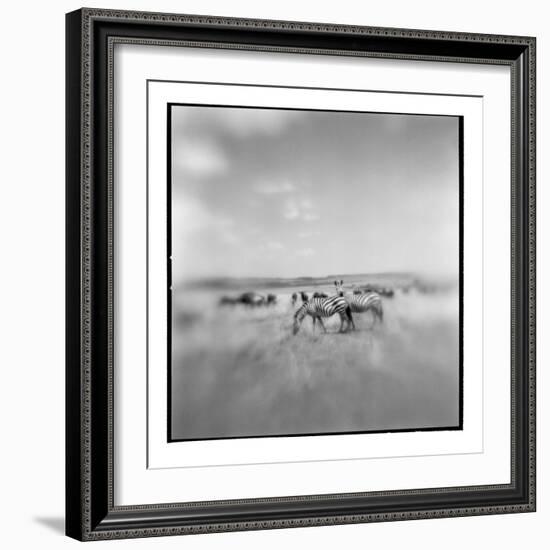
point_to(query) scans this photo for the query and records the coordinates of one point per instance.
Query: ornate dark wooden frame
(90, 510)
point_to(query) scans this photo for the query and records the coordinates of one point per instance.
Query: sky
(283, 193)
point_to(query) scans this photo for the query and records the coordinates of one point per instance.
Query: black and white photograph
(300, 276)
(315, 272)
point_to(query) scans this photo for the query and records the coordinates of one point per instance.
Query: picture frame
(91, 320)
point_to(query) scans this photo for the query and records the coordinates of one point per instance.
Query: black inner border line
(168, 270)
(460, 271)
(460, 118)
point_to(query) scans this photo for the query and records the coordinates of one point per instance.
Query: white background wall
(32, 270)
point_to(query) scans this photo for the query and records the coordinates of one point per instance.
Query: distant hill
(241, 283)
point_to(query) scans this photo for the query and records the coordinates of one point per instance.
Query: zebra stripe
(322, 307)
(371, 301)
(317, 308)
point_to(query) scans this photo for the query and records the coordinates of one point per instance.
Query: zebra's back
(360, 303)
(326, 307)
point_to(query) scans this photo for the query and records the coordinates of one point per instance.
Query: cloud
(310, 216)
(305, 252)
(274, 188)
(200, 158)
(308, 234)
(245, 123)
(270, 251)
(194, 217)
(291, 210)
(241, 123)
(300, 210)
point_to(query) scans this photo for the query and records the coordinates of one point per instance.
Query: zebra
(294, 298)
(304, 296)
(339, 286)
(361, 303)
(318, 308)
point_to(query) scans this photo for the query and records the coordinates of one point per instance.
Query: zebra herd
(252, 299)
(323, 306)
(320, 305)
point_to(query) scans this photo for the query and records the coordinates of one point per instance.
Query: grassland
(238, 371)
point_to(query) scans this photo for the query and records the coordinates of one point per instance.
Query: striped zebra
(361, 303)
(317, 308)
